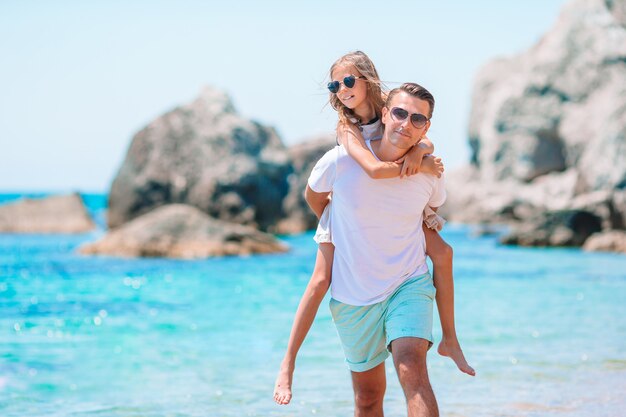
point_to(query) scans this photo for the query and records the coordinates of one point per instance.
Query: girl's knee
(441, 253)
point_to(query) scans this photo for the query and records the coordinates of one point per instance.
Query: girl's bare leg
(307, 309)
(441, 255)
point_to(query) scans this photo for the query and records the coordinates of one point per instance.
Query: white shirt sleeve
(322, 177)
(438, 196)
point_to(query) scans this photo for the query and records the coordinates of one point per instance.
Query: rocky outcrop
(303, 157)
(561, 104)
(232, 170)
(612, 241)
(548, 126)
(182, 231)
(206, 155)
(56, 214)
(561, 228)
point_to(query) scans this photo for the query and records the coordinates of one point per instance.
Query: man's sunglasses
(417, 120)
(348, 81)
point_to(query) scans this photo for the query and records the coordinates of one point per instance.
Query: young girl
(355, 92)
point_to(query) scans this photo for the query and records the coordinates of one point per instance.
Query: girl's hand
(412, 161)
(432, 165)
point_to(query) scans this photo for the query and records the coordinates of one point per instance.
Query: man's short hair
(414, 90)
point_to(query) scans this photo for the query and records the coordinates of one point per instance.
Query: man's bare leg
(409, 357)
(307, 309)
(441, 255)
(369, 391)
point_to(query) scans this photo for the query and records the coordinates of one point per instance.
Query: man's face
(402, 133)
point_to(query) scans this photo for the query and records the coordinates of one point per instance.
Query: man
(382, 293)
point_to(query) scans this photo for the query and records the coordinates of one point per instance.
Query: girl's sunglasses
(417, 120)
(348, 81)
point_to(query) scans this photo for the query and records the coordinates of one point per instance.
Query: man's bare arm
(317, 201)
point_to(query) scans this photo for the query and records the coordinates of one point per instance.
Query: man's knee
(366, 398)
(369, 388)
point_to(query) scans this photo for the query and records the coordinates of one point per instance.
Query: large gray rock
(303, 156)
(560, 104)
(548, 126)
(56, 214)
(612, 241)
(559, 228)
(206, 155)
(182, 231)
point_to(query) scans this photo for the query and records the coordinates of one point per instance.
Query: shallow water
(100, 336)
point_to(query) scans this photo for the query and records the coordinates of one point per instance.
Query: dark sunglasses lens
(418, 120)
(349, 81)
(399, 114)
(333, 86)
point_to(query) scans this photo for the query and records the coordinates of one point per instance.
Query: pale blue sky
(79, 79)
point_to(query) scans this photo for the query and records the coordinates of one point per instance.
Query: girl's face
(350, 97)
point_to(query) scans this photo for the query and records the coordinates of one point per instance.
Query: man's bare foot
(282, 389)
(454, 352)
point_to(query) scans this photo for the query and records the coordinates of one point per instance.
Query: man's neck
(385, 151)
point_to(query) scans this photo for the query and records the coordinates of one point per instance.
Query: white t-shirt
(377, 226)
(372, 131)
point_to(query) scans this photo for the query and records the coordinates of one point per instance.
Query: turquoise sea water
(100, 336)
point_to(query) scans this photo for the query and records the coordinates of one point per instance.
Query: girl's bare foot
(432, 165)
(282, 389)
(454, 352)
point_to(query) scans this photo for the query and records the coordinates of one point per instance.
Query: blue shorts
(366, 332)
